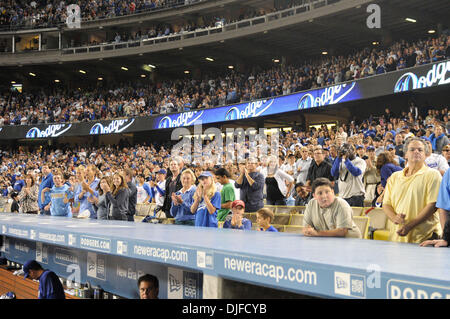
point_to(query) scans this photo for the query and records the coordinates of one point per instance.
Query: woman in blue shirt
(206, 202)
(386, 165)
(183, 200)
(60, 194)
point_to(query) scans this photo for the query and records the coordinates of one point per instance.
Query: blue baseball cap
(390, 147)
(359, 147)
(370, 148)
(161, 171)
(30, 264)
(205, 174)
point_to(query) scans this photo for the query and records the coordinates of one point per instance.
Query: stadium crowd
(143, 99)
(354, 161)
(18, 14)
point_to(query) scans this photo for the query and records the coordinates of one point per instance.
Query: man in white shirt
(159, 189)
(434, 160)
(302, 165)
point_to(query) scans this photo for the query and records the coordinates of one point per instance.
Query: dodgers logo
(51, 131)
(252, 109)
(182, 119)
(116, 126)
(306, 102)
(328, 96)
(232, 114)
(410, 81)
(407, 81)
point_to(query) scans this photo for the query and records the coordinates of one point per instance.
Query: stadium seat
(296, 220)
(273, 208)
(167, 221)
(357, 211)
(287, 209)
(281, 219)
(363, 224)
(295, 229)
(251, 217)
(378, 218)
(382, 234)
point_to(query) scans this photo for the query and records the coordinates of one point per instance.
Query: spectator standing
(173, 184)
(132, 197)
(100, 203)
(227, 193)
(302, 165)
(118, 198)
(386, 166)
(410, 197)
(60, 194)
(443, 204)
(349, 170)
(183, 199)
(319, 167)
(28, 197)
(47, 182)
(158, 188)
(251, 184)
(276, 181)
(206, 201)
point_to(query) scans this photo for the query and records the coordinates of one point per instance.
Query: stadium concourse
(345, 187)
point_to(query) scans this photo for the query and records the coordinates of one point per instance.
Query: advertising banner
(421, 77)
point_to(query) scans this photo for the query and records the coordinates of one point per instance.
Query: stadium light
(32, 74)
(186, 72)
(124, 68)
(143, 75)
(13, 82)
(57, 81)
(231, 67)
(431, 31)
(82, 71)
(152, 66)
(324, 52)
(100, 79)
(411, 20)
(276, 60)
(210, 59)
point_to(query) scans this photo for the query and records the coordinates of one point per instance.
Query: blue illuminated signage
(51, 131)
(299, 101)
(116, 126)
(436, 76)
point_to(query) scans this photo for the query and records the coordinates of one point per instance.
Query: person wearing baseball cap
(49, 285)
(206, 201)
(237, 220)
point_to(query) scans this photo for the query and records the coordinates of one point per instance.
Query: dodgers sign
(116, 126)
(437, 75)
(51, 131)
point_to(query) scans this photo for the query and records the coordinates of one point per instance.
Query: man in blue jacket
(49, 285)
(47, 182)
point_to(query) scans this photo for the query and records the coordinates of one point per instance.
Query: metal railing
(305, 7)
